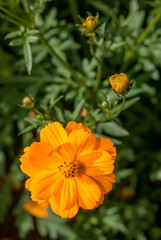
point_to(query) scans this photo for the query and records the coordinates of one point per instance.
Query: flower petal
(67, 213)
(41, 186)
(75, 126)
(96, 163)
(67, 151)
(53, 134)
(39, 156)
(88, 191)
(64, 194)
(37, 210)
(83, 141)
(105, 182)
(26, 165)
(106, 145)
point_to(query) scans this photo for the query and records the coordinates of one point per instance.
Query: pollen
(69, 169)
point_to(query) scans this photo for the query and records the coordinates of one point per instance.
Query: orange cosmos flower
(36, 209)
(69, 168)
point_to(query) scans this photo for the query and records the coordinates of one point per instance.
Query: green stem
(10, 19)
(74, 10)
(106, 118)
(54, 54)
(148, 28)
(98, 78)
(38, 112)
(118, 112)
(12, 15)
(144, 34)
(91, 48)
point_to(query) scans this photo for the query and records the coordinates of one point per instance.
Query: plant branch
(54, 54)
(106, 118)
(12, 15)
(91, 48)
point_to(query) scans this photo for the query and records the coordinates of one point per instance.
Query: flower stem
(144, 34)
(106, 118)
(98, 78)
(54, 54)
(148, 28)
(12, 15)
(10, 19)
(117, 113)
(91, 48)
(74, 10)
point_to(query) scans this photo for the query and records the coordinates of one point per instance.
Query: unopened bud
(104, 105)
(90, 24)
(119, 83)
(28, 102)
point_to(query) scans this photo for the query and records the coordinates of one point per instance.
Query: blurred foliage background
(129, 41)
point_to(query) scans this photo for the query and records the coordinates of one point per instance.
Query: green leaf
(53, 102)
(13, 34)
(24, 221)
(28, 56)
(59, 114)
(82, 20)
(27, 129)
(17, 42)
(78, 109)
(32, 39)
(113, 129)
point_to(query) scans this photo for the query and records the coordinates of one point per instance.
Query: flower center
(69, 169)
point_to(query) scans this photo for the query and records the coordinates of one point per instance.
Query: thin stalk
(10, 19)
(98, 78)
(106, 118)
(12, 15)
(139, 41)
(54, 54)
(117, 113)
(148, 28)
(74, 10)
(91, 48)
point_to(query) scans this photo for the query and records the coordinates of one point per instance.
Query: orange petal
(83, 141)
(66, 151)
(40, 157)
(64, 194)
(107, 145)
(37, 210)
(100, 201)
(41, 186)
(88, 191)
(26, 165)
(53, 134)
(105, 182)
(67, 213)
(75, 126)
(96, 163)
(27, 183)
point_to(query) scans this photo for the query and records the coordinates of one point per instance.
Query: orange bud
(119, 83)
(90, 23)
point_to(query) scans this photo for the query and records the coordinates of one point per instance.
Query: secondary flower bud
(28, 102)
(90, 23)
(104, 104)
(119, 83)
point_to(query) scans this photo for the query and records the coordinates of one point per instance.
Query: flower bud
(119, 83)
(90, 23)
(28, 102)
(104, 105)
